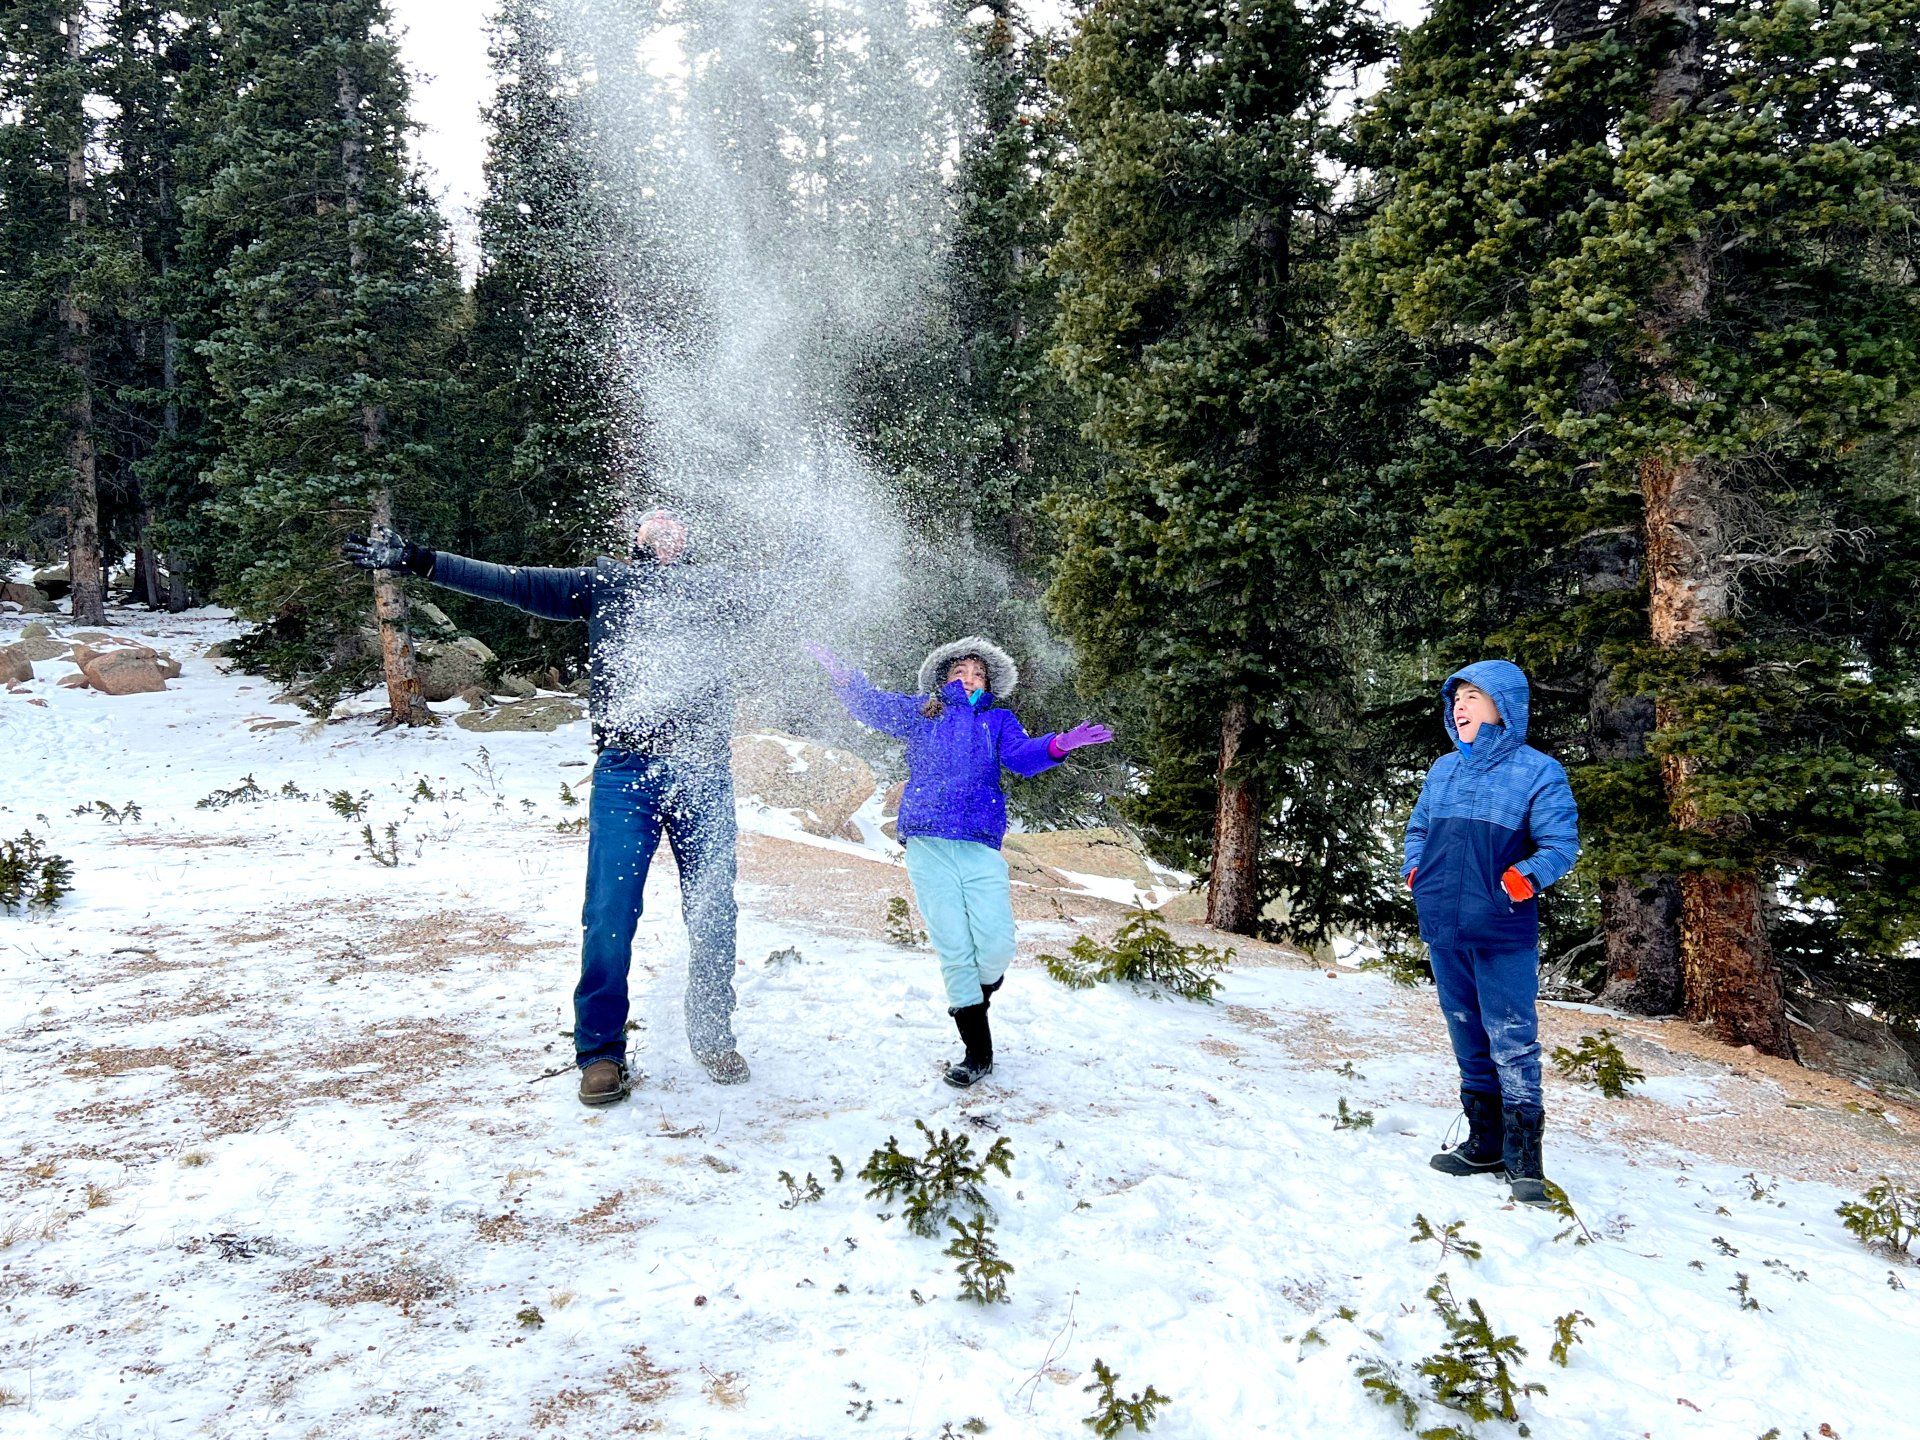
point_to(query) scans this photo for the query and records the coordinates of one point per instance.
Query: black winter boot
(1526, 1170)
(986, 991)
(1480, 1152)
(977, 1063)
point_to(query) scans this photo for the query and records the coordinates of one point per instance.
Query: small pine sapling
(386, 850)
(1473, 1371)
(30, 877)
(423, 791)
(1112, 1414)
(929, 1187)
(1566, 1335)
(344, 804)
(1598, 1061)
(1346, 1119)
(899, 924)
(247, 792)
(1889, 1215)
(571, 827)
(292, 791)
(983, 1274)
(567, 797)
(1559, 1204)
(1142, 953)
(1743, 1292)
(799, 1194)
(1447, 1237)
(113, 816)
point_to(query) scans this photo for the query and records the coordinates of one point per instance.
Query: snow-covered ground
(279, 1158)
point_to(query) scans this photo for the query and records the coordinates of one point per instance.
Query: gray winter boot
(727, 1067)
(1526, 1169)
(1481, 1152)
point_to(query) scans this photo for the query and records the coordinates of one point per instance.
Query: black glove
(385, 550)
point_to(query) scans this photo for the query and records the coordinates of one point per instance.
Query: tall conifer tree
(1205, 573)
(325, 356)
(1660, 257)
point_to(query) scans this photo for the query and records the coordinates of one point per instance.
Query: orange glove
(1517, 886)
(1410, 874)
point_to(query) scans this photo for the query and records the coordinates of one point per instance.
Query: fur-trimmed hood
(1002, 674)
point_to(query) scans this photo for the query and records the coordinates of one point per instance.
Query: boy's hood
(1506, 684)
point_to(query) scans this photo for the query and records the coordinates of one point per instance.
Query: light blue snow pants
(967, 900)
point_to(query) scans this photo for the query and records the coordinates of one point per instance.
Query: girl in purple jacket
(953, 815)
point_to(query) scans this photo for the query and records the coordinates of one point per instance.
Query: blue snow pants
(635, 799)
(967, 900)
(1488, 998)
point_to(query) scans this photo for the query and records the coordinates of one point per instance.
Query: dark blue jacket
(953, 760)
(660, 640)
(1485, 807)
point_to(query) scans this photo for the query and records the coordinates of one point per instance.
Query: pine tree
(542, 351)
(69, 266)
(1658, 256)
(1208, 572)
(325, 356)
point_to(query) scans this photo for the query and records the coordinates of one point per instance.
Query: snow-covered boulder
(544, 714)
(448, 667)
(125, 670)
(28, 597)
(823, 784)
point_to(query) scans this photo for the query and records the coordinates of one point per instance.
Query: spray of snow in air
(775, 169)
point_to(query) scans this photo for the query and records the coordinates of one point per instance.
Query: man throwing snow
(659, 634)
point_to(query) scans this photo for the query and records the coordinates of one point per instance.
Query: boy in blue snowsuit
(1495, 825)
(953, 814)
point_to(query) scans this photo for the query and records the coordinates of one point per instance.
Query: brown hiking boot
(726, 1067)
(604, 1082)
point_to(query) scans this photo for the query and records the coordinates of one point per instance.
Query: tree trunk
(405, 704)
(1233, 890)
(1732, 980)
(1639, 914)
(85, 569)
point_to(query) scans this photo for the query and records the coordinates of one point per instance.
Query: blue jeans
(967, 901)
(635, 798)
(1488, 998)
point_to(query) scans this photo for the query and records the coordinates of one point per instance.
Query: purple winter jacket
(953, 761)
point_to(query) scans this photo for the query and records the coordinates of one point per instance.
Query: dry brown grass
(367, 1278)
(603, 1217)
(639, 1382)
(724, 1388)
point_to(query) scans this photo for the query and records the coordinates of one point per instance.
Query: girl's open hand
(1085, 733)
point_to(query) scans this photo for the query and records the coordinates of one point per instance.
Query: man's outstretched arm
(564, 593)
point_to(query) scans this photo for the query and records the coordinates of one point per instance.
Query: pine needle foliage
(900, 928)
(1112, 1413)
(1598, 1061)
(983, 1274)
(1142, 953)
(1447, 1237)
(1889, 1215)
(31, 876)
(930, 1187)
(1473, 1371)
(1566, 1335)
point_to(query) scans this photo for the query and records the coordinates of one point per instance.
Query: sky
(444, 43)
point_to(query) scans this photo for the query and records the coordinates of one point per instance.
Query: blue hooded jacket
(953, 760)
(1488, 806)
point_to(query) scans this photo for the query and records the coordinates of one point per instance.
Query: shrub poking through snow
(347, 805)
(900, 929)
(929, 1187)
(1888, 1215)
(30, 876)
(1566, 1335)
(1142, 953)
(1346, 1119)
(386, 849)
(1598, 1061)
(983, 1274)
(108, 813)
(1111, 1413)
(247, 792)
(798, 1193)
(1447, 1237)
